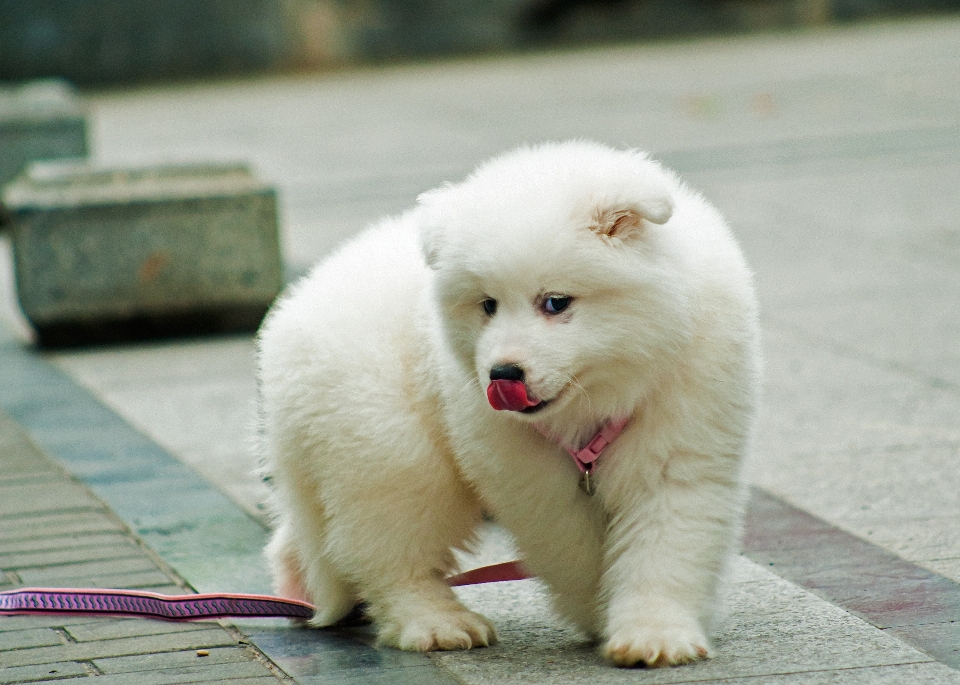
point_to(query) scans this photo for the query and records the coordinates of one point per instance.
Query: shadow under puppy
(445, 361)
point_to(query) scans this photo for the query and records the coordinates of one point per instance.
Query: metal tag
(586, 483)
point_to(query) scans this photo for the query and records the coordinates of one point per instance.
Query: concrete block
(39, 120)
(109, 254)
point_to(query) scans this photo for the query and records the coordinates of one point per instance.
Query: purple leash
(60, 601)
(148, 604)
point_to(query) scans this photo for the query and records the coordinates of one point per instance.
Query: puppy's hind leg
(317, 582)
(393, 533)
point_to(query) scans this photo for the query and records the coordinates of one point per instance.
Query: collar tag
(586, 483)
(586, 457)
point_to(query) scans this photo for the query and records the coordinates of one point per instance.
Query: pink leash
(39, 601)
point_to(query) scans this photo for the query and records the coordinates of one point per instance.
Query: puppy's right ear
(622, 222)
(430, 211)
(643, 194)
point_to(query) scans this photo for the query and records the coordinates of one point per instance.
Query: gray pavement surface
(834, 153)
(55, 532)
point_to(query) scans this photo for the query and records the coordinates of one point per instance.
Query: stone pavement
(54, 532)
(836, 156)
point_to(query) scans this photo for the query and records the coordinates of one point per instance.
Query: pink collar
(586, 457)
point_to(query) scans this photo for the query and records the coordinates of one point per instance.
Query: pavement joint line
(790, 542)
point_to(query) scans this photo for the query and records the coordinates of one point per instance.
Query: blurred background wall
(112, 41)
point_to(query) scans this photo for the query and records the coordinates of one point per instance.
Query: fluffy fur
(384, 450)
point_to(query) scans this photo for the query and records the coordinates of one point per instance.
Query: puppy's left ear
(430, 213)
(621, 222)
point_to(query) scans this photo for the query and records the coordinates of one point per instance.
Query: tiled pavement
(835, 156)
(55, 532)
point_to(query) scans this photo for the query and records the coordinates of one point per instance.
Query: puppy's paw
(656, 645)
(440, 630)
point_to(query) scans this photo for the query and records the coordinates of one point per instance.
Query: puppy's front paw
(656, 645)
(458, 629)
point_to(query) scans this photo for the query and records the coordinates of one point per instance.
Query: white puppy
(439, 364)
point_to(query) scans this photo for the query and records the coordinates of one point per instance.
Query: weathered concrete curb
(119, 254)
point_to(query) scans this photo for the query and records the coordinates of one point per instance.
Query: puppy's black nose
(506, 372)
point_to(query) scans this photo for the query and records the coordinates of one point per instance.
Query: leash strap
(148, 604)
(497, 573)
(57, 601)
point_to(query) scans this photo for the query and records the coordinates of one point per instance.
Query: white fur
(384, 450)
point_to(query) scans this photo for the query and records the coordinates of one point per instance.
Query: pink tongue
(511, 395)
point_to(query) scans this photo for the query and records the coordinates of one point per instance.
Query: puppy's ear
(431, 252)
(622, 222)
(430, 219)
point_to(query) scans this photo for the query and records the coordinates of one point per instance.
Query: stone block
(107, 254)
(39, 120)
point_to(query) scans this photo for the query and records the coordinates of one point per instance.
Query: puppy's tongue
(510, 395)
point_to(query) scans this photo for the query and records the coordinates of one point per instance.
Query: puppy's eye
(490, 306)
(556, 303)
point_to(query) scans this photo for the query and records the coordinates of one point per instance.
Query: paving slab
(145, 663)
(919, 606)
(43, 672)
(243, 674)
(62, 542)
(97, 550)
(191, 524)
(35, 637)
(35, 528)
(115, 629)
